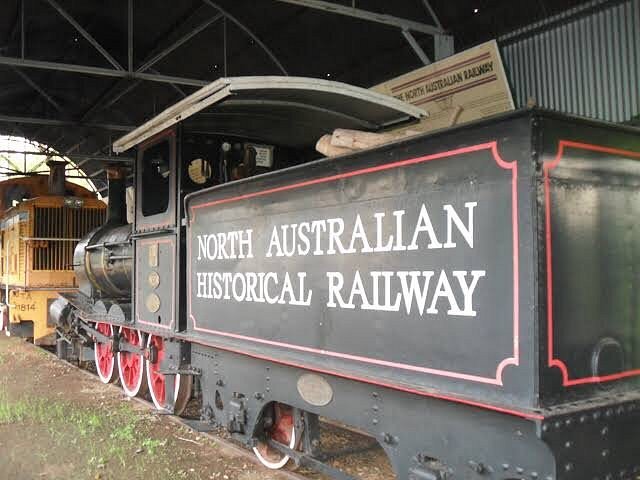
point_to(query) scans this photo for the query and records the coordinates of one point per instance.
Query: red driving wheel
(282, 430)
(131, 368)
(157, 381)
(103, 355)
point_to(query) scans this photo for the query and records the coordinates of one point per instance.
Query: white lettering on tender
(411, 289)
(421, 292)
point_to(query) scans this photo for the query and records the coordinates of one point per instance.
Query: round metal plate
(153, 303)
(153, 279)
(199, 171)
(315, 390)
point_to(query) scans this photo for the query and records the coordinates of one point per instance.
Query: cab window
(155, 178)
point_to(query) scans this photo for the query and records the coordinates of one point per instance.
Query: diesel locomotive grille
(56, 231)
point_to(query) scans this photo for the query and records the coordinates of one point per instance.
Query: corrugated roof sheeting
(586, 62)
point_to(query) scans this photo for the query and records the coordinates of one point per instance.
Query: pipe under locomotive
(465, 360)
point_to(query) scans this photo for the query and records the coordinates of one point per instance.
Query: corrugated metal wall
(585, 61)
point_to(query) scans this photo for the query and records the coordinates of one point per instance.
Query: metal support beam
(85, 34)
(76, 146)
(108, 98)
(177, 88)
(97, 152)
(443, 46)
(106, 187)
(52, 122)
(11, 33)
(100, 158)
(98, 71)
(224, 46)
(250, 33)
(22, 34)
(435, 18)
(33, 174)
(130, 35)
(416, 47)
(156, 77)
(122, 87)
(182, 40)
(72, 156)
(55, 142)
(401, 23)
(38, 89)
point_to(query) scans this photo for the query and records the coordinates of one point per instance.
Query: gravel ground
(58, 423)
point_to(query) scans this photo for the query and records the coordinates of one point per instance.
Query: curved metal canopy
(263, 100)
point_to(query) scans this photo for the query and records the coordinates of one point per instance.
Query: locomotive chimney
(57, 180)
(117, 206)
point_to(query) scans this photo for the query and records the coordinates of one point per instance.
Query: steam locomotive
(465, 297)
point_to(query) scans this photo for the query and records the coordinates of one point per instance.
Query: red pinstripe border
(492, 146)
(552, 361)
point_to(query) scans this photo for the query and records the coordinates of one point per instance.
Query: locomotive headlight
(73, 202)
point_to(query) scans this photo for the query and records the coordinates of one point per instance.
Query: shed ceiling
(83, 112)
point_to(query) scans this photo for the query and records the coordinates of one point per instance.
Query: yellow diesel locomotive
(42, 219)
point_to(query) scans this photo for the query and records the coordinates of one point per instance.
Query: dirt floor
(58, 423)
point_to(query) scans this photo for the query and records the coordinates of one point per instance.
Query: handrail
(48, 239)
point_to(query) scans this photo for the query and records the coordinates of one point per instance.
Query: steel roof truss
(85, 34)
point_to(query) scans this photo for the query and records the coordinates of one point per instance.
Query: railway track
(340, 438)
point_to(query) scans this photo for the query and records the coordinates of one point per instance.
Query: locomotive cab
(133, 278)
(231, 130)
